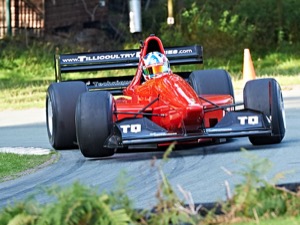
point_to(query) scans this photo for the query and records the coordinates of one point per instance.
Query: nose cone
(176, 92)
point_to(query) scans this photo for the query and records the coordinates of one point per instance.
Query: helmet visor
(153, 69)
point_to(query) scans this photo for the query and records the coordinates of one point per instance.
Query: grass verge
(15, 165)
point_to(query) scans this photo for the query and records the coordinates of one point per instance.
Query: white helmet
(155, 63)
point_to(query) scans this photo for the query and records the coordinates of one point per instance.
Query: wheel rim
(50, 117)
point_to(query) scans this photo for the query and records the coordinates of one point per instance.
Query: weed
(169, 208)
(257, 198)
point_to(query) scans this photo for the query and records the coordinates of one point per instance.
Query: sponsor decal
(162, 134)
(91, 58)
(132, 128)
(106, 56)
(248, 120)
(176, 51)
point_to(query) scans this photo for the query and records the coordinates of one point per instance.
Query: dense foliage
(224, 26)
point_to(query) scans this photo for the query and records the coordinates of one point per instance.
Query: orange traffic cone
(248, 68)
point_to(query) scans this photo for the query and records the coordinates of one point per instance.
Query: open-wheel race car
(156, 106)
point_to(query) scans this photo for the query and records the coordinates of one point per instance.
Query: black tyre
(215, 81)
(60, 113)
(94, 121)
(265, 95)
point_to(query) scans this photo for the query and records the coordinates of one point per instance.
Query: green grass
(277, 221)
(27, 71)
(14, 165)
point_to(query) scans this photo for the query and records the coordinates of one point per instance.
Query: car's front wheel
(265, 95)
(94, 122)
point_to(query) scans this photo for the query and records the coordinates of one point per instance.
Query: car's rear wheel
(94, 122)
(60, 113)
(214, 81)
(265, 95)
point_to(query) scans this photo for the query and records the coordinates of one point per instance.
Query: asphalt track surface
(201, 170)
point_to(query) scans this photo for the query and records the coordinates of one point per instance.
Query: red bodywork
(171, 102)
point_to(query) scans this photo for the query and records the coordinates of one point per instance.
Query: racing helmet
(155, 63)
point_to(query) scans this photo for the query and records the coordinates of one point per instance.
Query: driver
(155, 64)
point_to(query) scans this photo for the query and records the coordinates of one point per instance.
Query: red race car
(155, 106)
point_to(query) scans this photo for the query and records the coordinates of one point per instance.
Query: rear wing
(66, 63)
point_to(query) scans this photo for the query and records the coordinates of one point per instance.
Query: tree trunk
(8, 18)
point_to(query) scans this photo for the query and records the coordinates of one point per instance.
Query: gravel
(25, 151)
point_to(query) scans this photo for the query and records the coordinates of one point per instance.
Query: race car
(156, 106)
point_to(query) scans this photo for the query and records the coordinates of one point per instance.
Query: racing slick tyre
(94, 122)
(214, 81)
(265, 95)
(61, 102)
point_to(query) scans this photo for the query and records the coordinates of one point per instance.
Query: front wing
(141, 131)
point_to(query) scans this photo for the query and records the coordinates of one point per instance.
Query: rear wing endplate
(66, 63)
